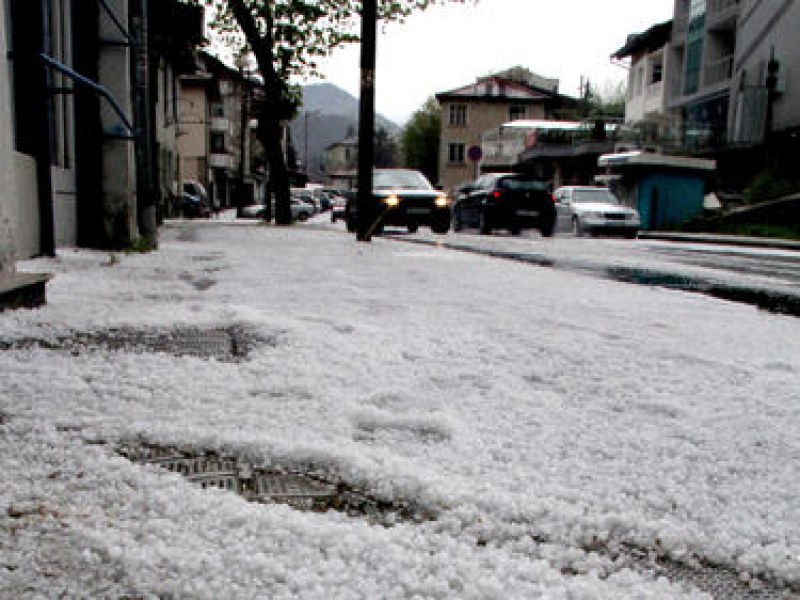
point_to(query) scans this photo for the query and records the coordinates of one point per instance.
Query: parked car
(301, 211)
(338, 207)
(193, 200)
(594, 210)
(405, 198)
(509, 201)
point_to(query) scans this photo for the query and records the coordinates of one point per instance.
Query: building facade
(217, 142)
(470, 111)
(718, 71)
(8, 193)
(84, 82)
(646, 56)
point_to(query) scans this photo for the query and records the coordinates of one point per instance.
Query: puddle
(308, 488)
(226, 344)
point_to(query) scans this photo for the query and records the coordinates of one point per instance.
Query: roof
(654, 38)
(650, 159)
(498, 88)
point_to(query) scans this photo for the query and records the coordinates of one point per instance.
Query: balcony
(718, 71)
(220, 161)
(721, 13)
(220, 124)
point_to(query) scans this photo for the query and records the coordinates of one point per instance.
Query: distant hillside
(331, 114)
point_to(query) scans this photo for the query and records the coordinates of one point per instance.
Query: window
(217, 110)
(458, 114)
(658, 72)
(455, 153)
(217, 143)
(515, 113)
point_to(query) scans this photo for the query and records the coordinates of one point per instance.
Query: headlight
(391, 201)
(441, 201)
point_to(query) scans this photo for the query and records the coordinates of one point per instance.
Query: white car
(301, 211)
(594, 210)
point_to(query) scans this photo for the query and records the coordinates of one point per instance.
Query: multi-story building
(718, 69)
(646, 56)
(215, 145)
(469, 111)
(341, 163)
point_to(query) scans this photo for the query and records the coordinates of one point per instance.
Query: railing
(714, 7)
(718, 71)
(655, 90)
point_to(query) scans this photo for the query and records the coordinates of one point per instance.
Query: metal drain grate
(314, 489)
(227, 344)
(311, 489)
(721, 583)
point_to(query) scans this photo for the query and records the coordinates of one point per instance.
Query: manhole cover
(312, 489)
(315, 489)
(227, 344)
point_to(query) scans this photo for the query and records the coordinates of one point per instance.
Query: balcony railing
(655, 90)
(718, 71)
(715, 7)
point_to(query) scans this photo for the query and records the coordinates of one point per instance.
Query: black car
(404, 198)
(509, 201)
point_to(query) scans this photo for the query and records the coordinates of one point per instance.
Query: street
(466, 427)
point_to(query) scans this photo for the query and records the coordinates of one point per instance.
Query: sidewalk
(471, 428)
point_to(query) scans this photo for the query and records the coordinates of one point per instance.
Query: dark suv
(505, 201)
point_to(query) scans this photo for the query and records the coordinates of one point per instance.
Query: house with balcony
(341, 163)
(733, 83)
(700, 70)
(645, 55)
(471, 110)
(216, 105)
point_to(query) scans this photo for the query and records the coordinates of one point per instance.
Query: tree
(420, 140)
(287, 37)
(608, 101)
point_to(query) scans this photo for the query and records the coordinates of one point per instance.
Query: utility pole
(366, 122)
(145, 193)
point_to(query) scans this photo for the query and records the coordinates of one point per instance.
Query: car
(193, 200)
(301, 211)
(403, 198)
(511, 201)
(594, 210)
(338, 207)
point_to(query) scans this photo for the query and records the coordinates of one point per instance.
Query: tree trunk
(270, 135)
(273, 110)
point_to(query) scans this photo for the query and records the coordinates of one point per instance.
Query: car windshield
(400, 180)
(594, 195)
(517, 183)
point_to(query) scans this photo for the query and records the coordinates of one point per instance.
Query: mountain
(329, 114)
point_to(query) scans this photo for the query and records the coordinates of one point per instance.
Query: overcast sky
(446, 47)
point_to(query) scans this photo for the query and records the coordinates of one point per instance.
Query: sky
(449, 46)
(556, 425)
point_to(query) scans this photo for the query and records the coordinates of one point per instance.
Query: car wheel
(483, 224)
(577, 229)
(631, 235)
(303, 216)
(412, 227)
(515, 230)
(546, 230)
(333, 218)
(440, 228)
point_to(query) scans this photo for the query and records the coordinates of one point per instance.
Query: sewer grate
(307, 488)
(228, 344)
(719, 582)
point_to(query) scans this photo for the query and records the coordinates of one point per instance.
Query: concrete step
(22, 290)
